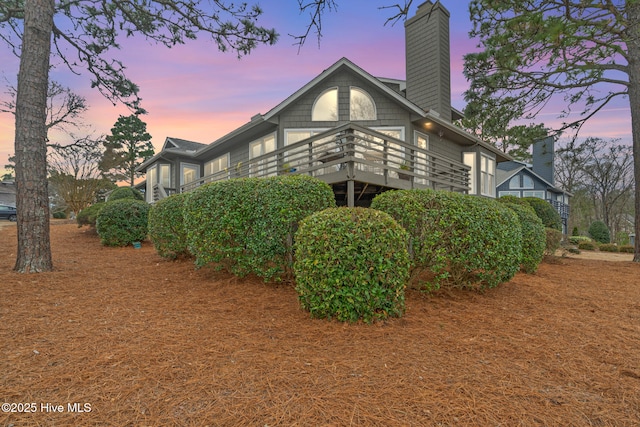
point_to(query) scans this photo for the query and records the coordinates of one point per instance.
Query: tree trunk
(633, 46)
(32, 198)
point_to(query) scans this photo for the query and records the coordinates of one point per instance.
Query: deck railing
(353, 153)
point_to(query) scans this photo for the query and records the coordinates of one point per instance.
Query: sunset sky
(195, 92)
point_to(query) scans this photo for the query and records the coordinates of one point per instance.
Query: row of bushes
(349, 263)
(354, 263)
(591, 245)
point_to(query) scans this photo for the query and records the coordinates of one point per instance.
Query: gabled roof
(182, 144)
(503, 175)
(344, 62)
(380, 83)
(171, 145)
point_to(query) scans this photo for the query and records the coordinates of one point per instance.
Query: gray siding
(428, 59)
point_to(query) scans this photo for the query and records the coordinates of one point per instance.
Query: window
(379, 150)
(361, 105)
(521, 181)
(421, 159)
(164, 177)
(487, 176)
(509, 193)
(189, 173)
(152, 177)
(301, 155)
(515, 182)
(540, 194)
(260, 147)
(325, 108)
(215, 169)
(469, 159)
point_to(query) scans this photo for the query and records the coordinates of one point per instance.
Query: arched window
(527, 181)
(361, 105)
(514, 182)
(325, 108)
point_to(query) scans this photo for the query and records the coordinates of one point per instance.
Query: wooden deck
(357, 162)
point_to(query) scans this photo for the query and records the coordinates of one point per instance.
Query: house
(359, 133)
(520, 179)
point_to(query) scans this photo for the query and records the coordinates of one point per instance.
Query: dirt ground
(121, 337)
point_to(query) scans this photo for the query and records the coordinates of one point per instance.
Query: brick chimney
(428, 59)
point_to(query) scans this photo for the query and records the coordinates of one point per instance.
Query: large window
(189, 173)
(217, 169)
(361, 105)
(325, 108)
(268, 165)
(377, 151)
(487, 176)
(469, 159)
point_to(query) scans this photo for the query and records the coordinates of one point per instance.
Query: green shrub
(463, 240)
(575, 232)
(88, 215)
(122, 222)
(599, 231)
(608, 247)
(627, 249)
(247, 225)
(125, 193)
(60, 215)
(575, 240)
(553, 240)
(533, 236)
(546, 212)
(587, 246)
(351, 263)
(166, 226)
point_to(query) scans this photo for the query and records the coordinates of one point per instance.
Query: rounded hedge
(599, 231)
(455, 238)
(122, 222)
(166, 226)
(546, 212)
(88, 215)
(351, 264)
(125, 193)
(533, 236)
(247, 225)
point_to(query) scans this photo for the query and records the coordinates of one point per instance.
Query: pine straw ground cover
(149, 342)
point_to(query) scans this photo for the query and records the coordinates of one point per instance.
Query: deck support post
(350, 194)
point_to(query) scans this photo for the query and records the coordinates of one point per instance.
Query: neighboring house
(8, 193)
(360, 134)
(520, 179)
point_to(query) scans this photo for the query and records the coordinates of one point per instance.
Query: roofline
(343, 61)
(435, 117)
(528, 169)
